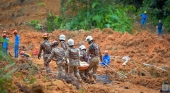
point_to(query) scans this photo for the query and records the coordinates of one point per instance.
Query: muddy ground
(143, 46)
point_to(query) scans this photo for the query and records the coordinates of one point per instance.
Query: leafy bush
(6, 72)
(41, 4)
(157, 10)
(166, 23)
(35, 24)
(93, 14)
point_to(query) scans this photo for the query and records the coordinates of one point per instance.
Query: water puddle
(104, 79)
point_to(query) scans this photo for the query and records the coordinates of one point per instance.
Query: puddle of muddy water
(104, 79)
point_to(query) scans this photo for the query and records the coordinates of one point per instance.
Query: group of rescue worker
(5, 43)
(68, 57)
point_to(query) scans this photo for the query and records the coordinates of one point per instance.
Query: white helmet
(82, 47)
(62, 37)
(70, 42)
(89, 38)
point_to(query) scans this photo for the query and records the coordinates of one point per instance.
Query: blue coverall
(5, 44)
(106, 60)
(16, 45)
(143, 19)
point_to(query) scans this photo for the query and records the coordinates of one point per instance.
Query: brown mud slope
(142, 48)
(17, 13)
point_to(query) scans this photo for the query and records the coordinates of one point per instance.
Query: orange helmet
(15, 32)
(45, 35)
(4, 35)
(22, 52)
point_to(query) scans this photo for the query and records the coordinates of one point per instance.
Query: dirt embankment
(141, 48)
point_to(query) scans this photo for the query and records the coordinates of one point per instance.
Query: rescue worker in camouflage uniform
(64, 45)
(73, 56)
(95, 54)
(83, 58)
(45, 46)
(59, 55)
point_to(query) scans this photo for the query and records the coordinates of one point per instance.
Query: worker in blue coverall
(106, 59)
(159, 27)
(5, 43)
(143, 19)
(16, 43)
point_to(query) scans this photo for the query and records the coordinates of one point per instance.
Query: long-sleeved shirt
(106, 60)
(5, 43)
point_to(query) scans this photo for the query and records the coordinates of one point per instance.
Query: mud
(141, 46)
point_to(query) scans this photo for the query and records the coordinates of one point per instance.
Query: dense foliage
(86, 14)
(115, 14)
(156, 10)
(6, 71)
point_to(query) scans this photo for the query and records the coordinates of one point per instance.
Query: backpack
(94, 49)
(47, 47)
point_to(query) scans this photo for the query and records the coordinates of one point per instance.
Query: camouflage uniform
(46, 52)
(95, 54)
(73, 55)
(65, 47)
(83, 58)
(59, 55)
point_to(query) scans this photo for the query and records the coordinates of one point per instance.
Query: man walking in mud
(64, 45)
(16, 43)
(59, 54)
(73, 56)
(95, 54)
(45, 46)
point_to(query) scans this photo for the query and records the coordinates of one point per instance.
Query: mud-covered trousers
(93, 65)
(60, 69)
(47, 68)
(74, 72)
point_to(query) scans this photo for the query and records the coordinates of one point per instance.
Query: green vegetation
(101, 14)
(41, 4)
(116, 14)
(6, 71)
(35, 24)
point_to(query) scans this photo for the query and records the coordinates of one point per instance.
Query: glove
(39, 56)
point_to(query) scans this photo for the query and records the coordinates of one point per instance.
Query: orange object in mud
(83, 66)
(35, 52)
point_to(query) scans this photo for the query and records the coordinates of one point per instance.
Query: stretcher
(83, 66)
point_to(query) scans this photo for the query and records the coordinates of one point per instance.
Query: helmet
(89, 38)
(106, 51)
(4, 31)
(22, 52)
(3, 35)
(54, 43)
(70, 42)
(144, 11)
(15, 32)
(82, 47)
(62, 37)
(45, 35)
